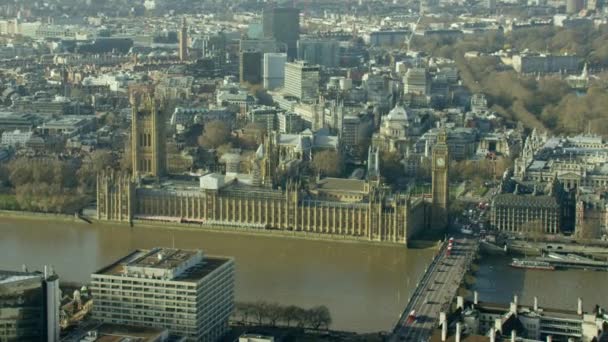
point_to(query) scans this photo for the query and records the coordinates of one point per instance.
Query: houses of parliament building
(333, 207)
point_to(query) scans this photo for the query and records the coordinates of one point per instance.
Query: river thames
(498, 282)
(365, 286)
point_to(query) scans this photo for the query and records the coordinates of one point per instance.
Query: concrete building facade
(184, 291)
(29, 306)
(488, 321)
(547, 64)
(302, 80)
(274, 70)
(16, 138)
(324, 52)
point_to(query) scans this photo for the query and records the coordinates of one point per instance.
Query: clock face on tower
(440, 162)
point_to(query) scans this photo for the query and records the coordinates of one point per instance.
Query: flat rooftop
(162, 258)
(341, 184)
(7, 277)
(525, 309)
(192, 265)
(122, 333)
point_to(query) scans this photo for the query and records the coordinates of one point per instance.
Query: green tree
(328, 163)
(20, 172)
(252, 135)
(94, 163)
(391, 168)
(290, 314)
(320, 317)
(274, 312)
(4, 175)
(215, 133)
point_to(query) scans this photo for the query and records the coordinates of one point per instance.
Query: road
(435, 292)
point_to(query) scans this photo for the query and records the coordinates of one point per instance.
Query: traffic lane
(418, 297)
(449, 285)
(430, 311)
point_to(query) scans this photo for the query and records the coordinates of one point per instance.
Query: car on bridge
(411, 318)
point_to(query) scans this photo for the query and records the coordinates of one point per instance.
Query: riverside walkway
(435, 291)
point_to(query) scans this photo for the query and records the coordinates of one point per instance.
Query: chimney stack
(459, 302)
(579, 309)
(513, 308)
(513, 335)
(492, 335)
(497, 324)
(475, 298)
(515, 300)
(535, 303)
(444, 331)
(458, 332)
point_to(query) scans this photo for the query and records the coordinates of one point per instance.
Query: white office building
(16, 138)
(274, 70)
(302, 80)
(184, 291)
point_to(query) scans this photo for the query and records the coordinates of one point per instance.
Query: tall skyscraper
(250, 67)
(29, 306)
(184, 291)
(440, 182)
(274, 70)
(183, 41)
(302, 81)
(283, 24)
(324, 52)
(148, 140)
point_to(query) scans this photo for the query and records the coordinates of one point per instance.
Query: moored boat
(532, 264)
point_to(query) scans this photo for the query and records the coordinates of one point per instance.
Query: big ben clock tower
(440, 186)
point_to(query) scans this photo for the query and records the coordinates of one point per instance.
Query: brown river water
(365, 286)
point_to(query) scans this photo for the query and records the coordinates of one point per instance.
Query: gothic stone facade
(382, 216)
(526, 213)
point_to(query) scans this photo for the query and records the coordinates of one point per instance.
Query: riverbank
(414, 244)
(31, 215)
(531, 248)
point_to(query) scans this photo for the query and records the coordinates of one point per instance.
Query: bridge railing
(419, 286)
